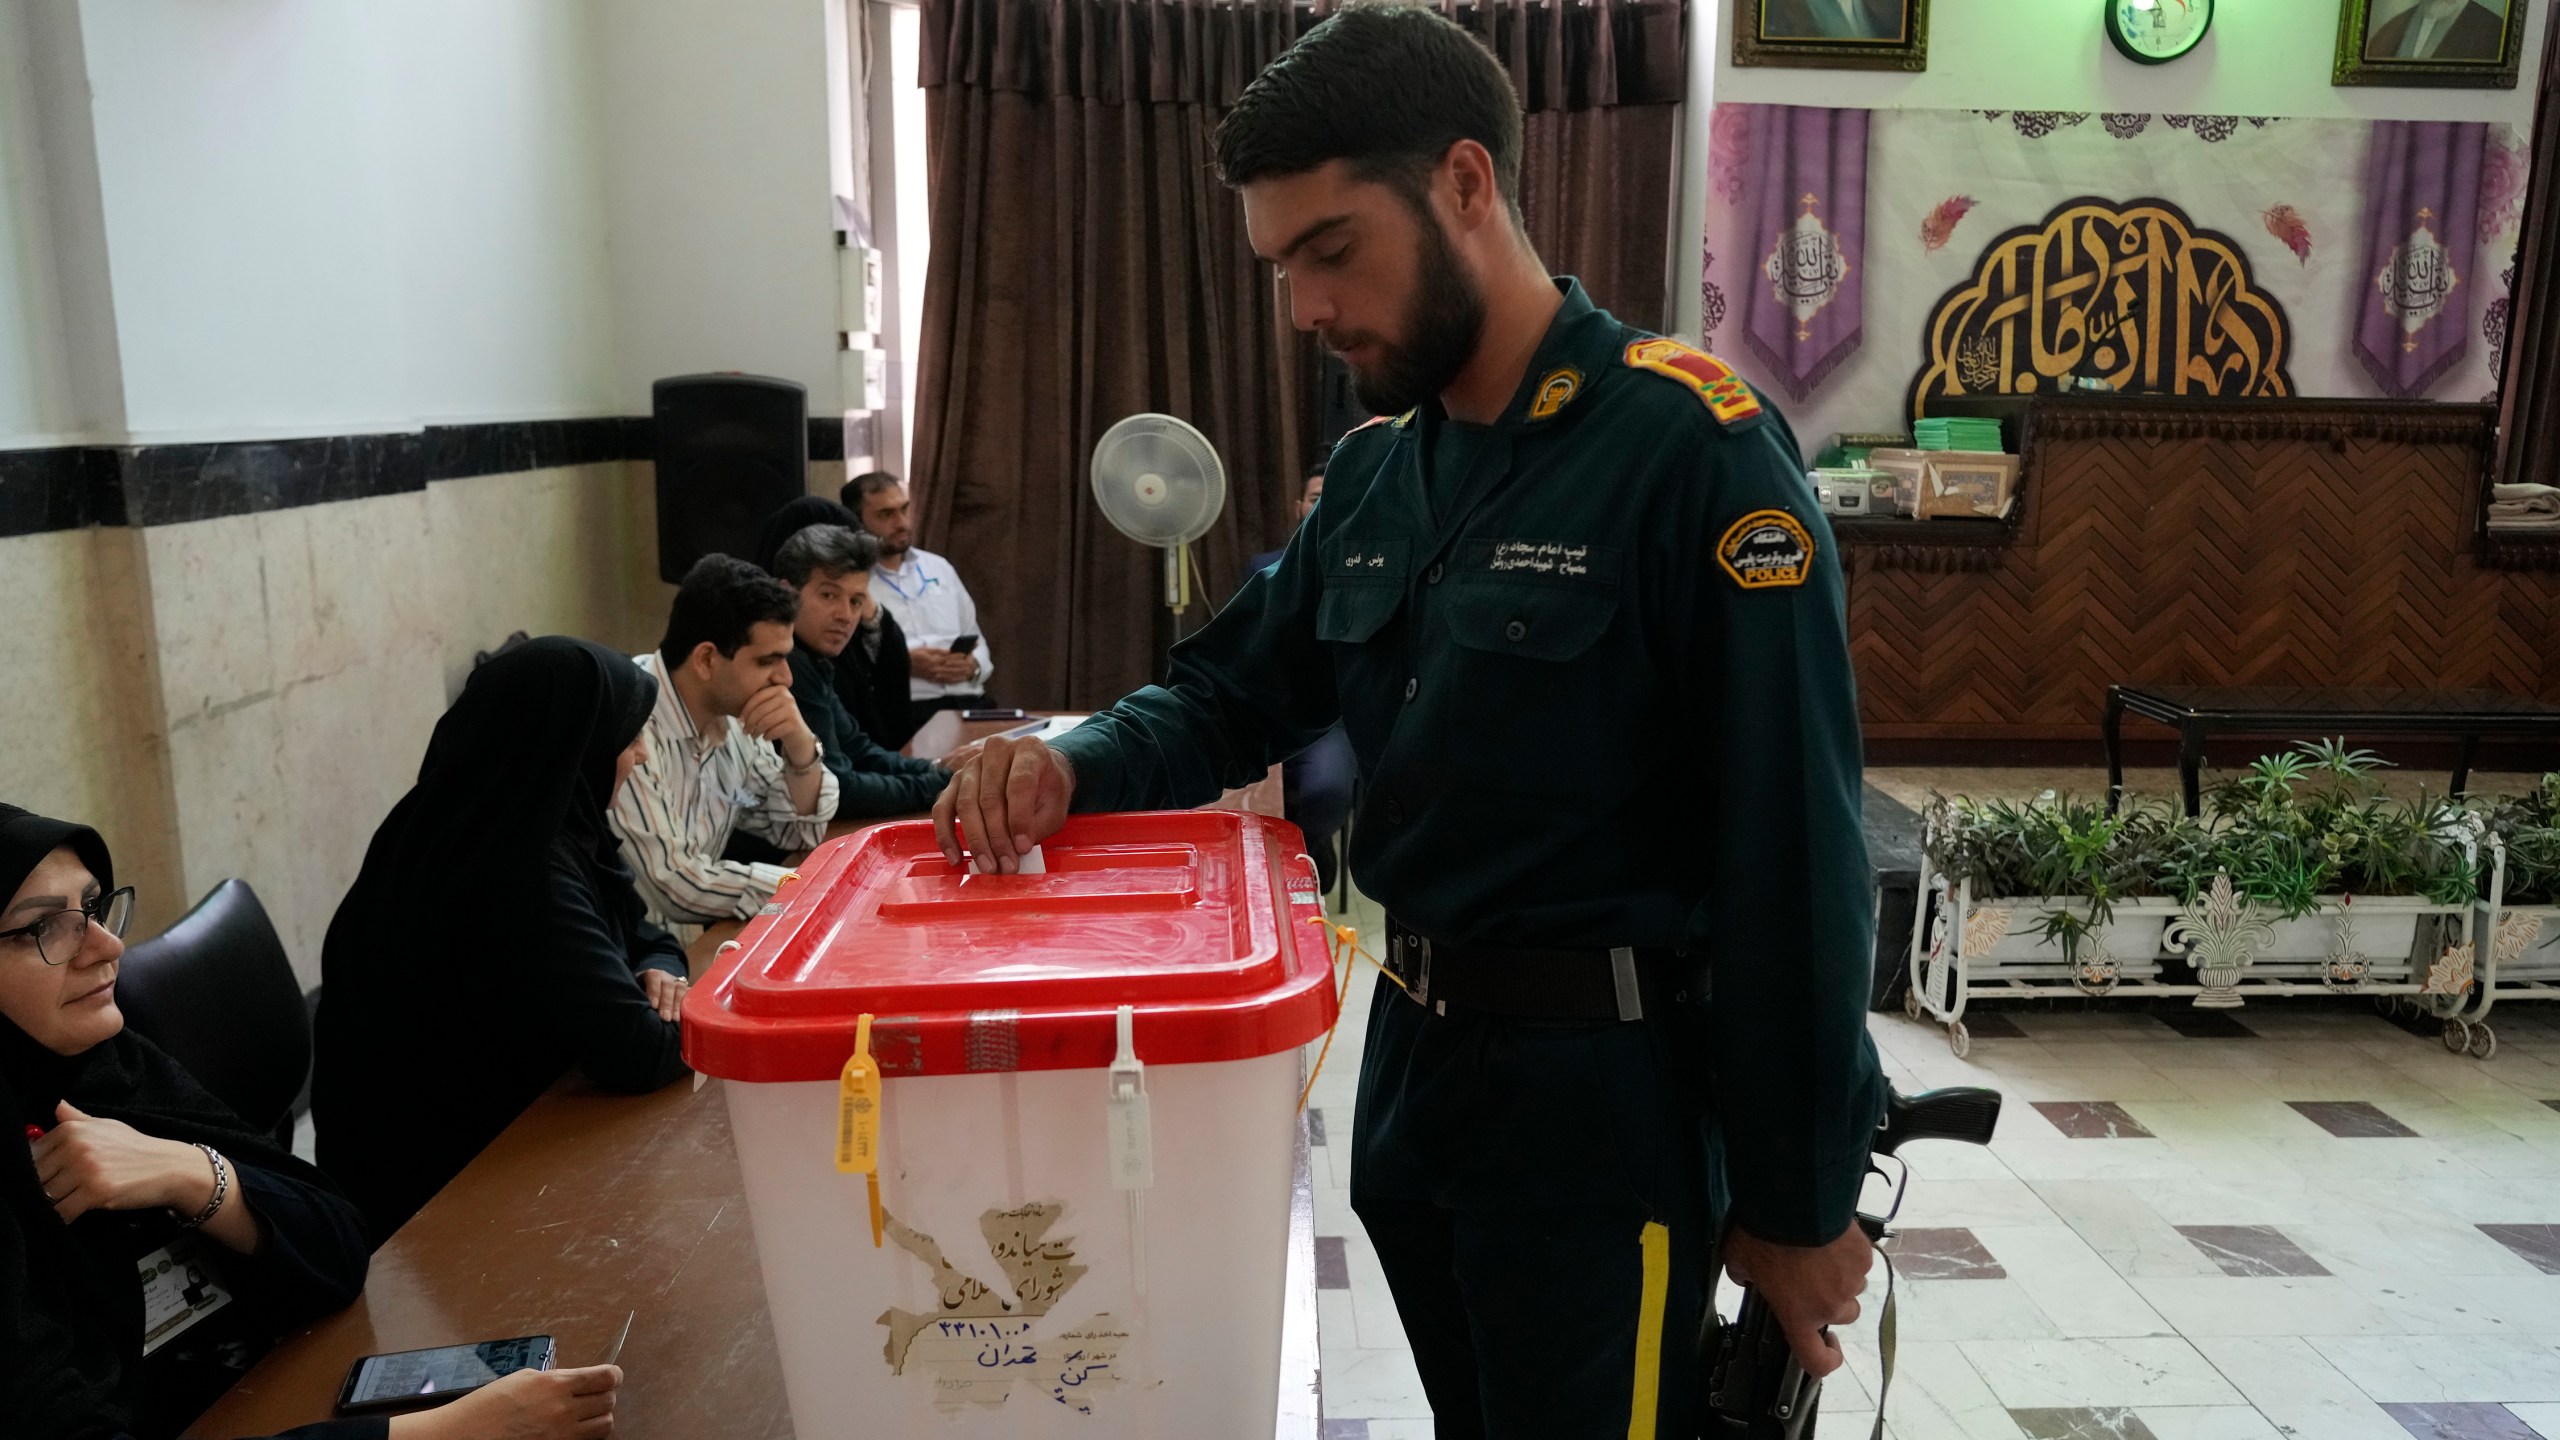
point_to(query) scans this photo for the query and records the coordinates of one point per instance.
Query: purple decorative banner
(2421, 222)
(1805, 203)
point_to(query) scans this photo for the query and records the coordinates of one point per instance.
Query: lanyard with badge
(180, 1286)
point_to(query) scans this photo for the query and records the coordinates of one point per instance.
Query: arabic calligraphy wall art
(2130, 294)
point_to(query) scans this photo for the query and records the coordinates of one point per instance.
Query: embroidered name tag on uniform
(179, 1288)
(1554, 560)
(1766, 549)
(1371, 559)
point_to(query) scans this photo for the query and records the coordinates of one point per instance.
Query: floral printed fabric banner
(2422, 210)
(2029, 251)
(1805, 194)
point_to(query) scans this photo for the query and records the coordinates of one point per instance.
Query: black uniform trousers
(1538, 1195)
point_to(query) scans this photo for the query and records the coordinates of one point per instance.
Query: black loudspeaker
(731, 450)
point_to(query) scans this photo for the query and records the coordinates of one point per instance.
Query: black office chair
(216, 991)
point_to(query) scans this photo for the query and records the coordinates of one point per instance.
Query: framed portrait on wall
(1833, 34)
(2470, 43)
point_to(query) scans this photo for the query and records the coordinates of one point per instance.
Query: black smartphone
(976, 716)
(408, 1378)
(965, 645)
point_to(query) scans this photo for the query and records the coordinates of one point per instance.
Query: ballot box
(1018, 1148)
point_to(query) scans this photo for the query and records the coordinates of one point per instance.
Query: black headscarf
(794, 517)
(71, 1308)
(422, 1057)
(523, 761)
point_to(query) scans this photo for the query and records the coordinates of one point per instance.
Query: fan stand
(1177, 579)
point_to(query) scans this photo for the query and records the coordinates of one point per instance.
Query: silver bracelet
(221, 1189)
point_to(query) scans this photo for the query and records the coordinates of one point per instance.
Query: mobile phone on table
(965, 645)
(406, 1379)
(974, 717)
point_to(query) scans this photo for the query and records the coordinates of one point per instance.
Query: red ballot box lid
(1208, 922)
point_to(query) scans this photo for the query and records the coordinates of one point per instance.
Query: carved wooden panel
(2275, 543)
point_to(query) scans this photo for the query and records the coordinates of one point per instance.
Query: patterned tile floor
(2322, 1227)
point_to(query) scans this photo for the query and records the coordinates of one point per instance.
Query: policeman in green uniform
(1576, 609)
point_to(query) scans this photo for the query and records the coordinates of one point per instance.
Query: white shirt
(934, 609)
(675, 815)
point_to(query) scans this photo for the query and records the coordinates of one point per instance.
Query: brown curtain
(2529, 408)
(1087, 265)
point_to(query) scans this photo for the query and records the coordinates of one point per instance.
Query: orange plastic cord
(1337, 939)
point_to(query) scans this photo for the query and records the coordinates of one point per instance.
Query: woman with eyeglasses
(152, 1244)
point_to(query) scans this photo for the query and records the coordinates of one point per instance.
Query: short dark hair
(1388, 87)
(831, 548)
(722, 600)
(865, 485)
(1314, 472)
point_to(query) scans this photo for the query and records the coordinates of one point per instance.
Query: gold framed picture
(2463, 43)
(1833, 34)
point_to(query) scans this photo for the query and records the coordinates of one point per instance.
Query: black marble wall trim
(62, 488)
(67, 487)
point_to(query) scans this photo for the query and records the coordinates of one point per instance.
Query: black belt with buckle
(1615, 984)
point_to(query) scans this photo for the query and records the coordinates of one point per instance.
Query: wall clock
(2155, 32)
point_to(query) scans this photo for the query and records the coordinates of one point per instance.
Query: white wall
(59, 377)
(719, 192)
(2262, 57)
(327, 218)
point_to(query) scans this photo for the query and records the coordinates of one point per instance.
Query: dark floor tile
(2251, 1250)
(2115, 1423)
(1315, 1127)
(2352, 1119)
(1943, 1254)
(2205, 1024)
(2091, 1119)
(1345, 1430)
(2537, 1245)
(1333, 1266)
(2461, 1422)
(1991, 1025)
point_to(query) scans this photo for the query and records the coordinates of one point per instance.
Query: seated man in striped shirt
(728, 751)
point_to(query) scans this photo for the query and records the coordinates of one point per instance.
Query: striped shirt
(676, 813)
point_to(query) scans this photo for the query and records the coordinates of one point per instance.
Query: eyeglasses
(57, 936)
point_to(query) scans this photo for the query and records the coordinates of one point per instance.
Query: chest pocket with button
(1363, 588)
(1528, 620)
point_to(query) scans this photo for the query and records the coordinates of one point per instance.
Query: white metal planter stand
(2520, 960)
(1962, 949)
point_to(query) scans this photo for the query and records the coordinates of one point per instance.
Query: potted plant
(2032, 893)
(2340, 874)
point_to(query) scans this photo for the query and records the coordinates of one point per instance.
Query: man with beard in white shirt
(948, 657)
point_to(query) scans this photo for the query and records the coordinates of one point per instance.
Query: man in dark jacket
(2440, 30)
(830, 566)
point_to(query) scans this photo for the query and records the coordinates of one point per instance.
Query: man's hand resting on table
(527, 1405)
(1002, 801)
(1809, 1286)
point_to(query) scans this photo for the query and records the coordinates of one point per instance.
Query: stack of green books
(1957, 432)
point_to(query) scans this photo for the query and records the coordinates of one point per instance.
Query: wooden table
(595, 1207)
(2201, 710)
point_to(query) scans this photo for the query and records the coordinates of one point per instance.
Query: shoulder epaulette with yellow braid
(1726, 397)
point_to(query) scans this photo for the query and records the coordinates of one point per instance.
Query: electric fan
(1159, 482)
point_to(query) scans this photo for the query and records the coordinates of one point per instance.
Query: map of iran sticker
(1766, 550)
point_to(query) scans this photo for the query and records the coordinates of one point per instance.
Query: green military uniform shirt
(1604, 699)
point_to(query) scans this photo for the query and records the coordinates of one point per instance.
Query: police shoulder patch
(1726, 397)
(1766, 550)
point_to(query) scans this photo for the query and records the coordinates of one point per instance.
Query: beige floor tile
(2035, 1374)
